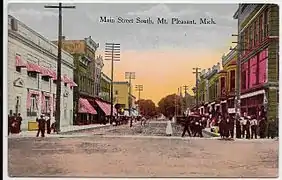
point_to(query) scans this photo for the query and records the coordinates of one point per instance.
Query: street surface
(122, 152)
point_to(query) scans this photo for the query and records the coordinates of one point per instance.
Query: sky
(161, 55)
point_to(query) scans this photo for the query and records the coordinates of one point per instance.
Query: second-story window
(32, 74)
(232, 80)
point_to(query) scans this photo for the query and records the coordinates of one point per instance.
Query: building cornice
(31, 44)
(230, 56)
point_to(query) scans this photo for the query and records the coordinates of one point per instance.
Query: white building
(32, 62)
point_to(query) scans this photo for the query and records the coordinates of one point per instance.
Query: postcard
(142, 90)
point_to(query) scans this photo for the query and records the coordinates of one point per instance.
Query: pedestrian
(198, 128)
(262, 127)
(19, 119)
(220, 126)
(14, 124)
(254, 124)
(48, 124)
(186, 126)
(41, 126)
(238, 129)
(248, 124)
(168, 130)
(9, 124)
(231, 126)
(131, 121)
(244, 125)
(227, 127)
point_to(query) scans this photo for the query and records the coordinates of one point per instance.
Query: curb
(210, 133)
(86, 129)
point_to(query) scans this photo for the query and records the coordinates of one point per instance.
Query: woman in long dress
(168, 127)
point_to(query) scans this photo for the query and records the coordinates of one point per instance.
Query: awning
(106, 108)
(86, 107)
(46, 72)
(69, 81)
(33, 67)
(20, 62)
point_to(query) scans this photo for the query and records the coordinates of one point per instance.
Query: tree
(167, 105)
(147, 107)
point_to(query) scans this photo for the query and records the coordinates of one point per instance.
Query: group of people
(14, 123)
(44, 123)
(248, 127)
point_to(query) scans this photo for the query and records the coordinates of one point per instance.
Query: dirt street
(97, 156)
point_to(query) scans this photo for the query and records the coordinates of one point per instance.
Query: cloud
(162, 10)
(33, 13)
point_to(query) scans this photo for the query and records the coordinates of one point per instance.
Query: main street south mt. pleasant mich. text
(158, 20)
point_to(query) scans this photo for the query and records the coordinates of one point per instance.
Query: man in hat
(41, 126)
(186, 126)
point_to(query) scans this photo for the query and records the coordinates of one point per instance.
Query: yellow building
(122, 96)
(228, 90)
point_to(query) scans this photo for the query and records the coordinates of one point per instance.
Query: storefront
(253, 102)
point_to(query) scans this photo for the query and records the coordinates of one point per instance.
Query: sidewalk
(64, 130)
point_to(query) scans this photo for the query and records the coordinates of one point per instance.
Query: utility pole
(176, 103)
(196, 72)
(186, 99)
(129, 76)
(238, 66)
(139, 88)
(112, 53)
(59, 61)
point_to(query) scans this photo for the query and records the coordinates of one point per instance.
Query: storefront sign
(231, 110)
(252, 94)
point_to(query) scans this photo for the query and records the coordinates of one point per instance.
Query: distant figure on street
(186, 127)
(143, 121)
(131, 121)
(41, 126)
(168, 127)
(262, 127)
(48, 124)
(19, 119)
(254, 125)
(238, 129)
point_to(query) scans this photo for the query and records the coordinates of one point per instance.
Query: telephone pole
(112, 53)
(238, 66)
(196, 72)
(186, 99)
(139, 88)
(129, 76)
(59, 61)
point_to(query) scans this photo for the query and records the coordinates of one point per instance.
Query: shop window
(263, 58)
(32, 111)
(46, 104)
(232, 80)
(253, 71)
(32, 74)
(260, 28)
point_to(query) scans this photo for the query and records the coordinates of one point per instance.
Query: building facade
(105, 87)
(229, 63)
(99, 64)
(32, 67)
(259, 29)
(121, 94)
(84, 53)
